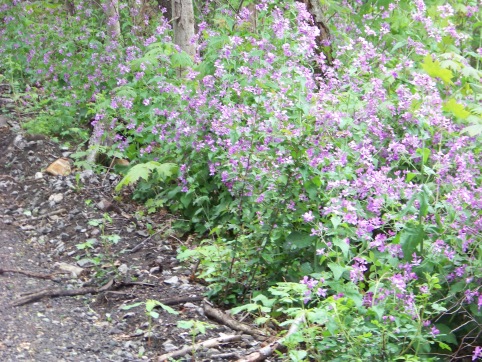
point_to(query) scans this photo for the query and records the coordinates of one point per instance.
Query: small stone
(84, 263)
(172, 281)
(56, 198)
(123, 269)
(75, 271)
(39, 175)
(154, 270)
(168, 346)
(60, 167)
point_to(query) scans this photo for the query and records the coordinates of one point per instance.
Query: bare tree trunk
(183, 25)
(69, 5)
(111, 8)
(166, 4)
(317, 11)
(111, 11)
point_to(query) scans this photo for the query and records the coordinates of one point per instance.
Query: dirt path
(72, 220)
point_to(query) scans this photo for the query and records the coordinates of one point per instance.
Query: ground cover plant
(339, 181)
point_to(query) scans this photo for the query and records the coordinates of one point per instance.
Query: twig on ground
(29, 274)
(268, 350)
(179, 300)
(52, 293)
(55, 212)
(231, 322)
(201, 345)
(141, 244)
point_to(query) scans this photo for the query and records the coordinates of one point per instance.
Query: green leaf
(143, 170)
(299, 240)
(473, 130)
(424, 153)
(434, 70)
(457, 109)
(411, 236)
(337, 270)
(185, 324)
(343, 245)
(336, 221)
(130, 306)
(168, 309)
(151, 304)
(410, 176)
(181, 59)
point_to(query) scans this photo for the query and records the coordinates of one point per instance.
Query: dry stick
(52, 293)
(268, 350)
(201, 345)
(55, 212)
(29, 274)
(179, 300)
(141, 244)
(231, 322)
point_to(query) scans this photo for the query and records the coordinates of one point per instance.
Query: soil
(72, 230)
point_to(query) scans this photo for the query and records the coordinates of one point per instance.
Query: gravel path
(43, 220)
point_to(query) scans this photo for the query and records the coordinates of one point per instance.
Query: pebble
(123, 269)
(173, 280)
(168, 346)
(56, 198)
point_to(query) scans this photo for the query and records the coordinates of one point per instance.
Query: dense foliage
(340, 183)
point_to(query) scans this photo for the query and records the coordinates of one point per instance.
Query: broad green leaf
(336, 221)
(410, 176)
(181, 59)
(143, 171)
(130, 306)
(411, 236)
(299, 240)
(337, 270)
(434, 70)
(424, 153)
(457, 109)
(473, 130)
(185, 324)
(343, 245)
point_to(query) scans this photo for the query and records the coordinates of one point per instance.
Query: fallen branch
(55, 212)
(197, 346)
(141, 244)
(53, 293)
(231, 322)
(29, 274)
(179, 300)
(268, 350)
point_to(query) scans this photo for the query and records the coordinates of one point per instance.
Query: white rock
(56, 198)
(39, 175)
(168, 346)
(173, 280)
(123, 268)
(75, 271)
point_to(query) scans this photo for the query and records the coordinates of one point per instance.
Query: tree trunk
(316, 10)
(183, 25)
(111, 8)
(111, 11)
(69, 5)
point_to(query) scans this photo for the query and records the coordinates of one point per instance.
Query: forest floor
(51, 228)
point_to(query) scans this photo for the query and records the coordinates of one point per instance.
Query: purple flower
(477, 353)
(308, 216)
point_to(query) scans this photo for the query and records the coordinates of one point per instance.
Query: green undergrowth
(332, 182)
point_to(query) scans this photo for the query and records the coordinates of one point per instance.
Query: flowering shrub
(348, 190)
